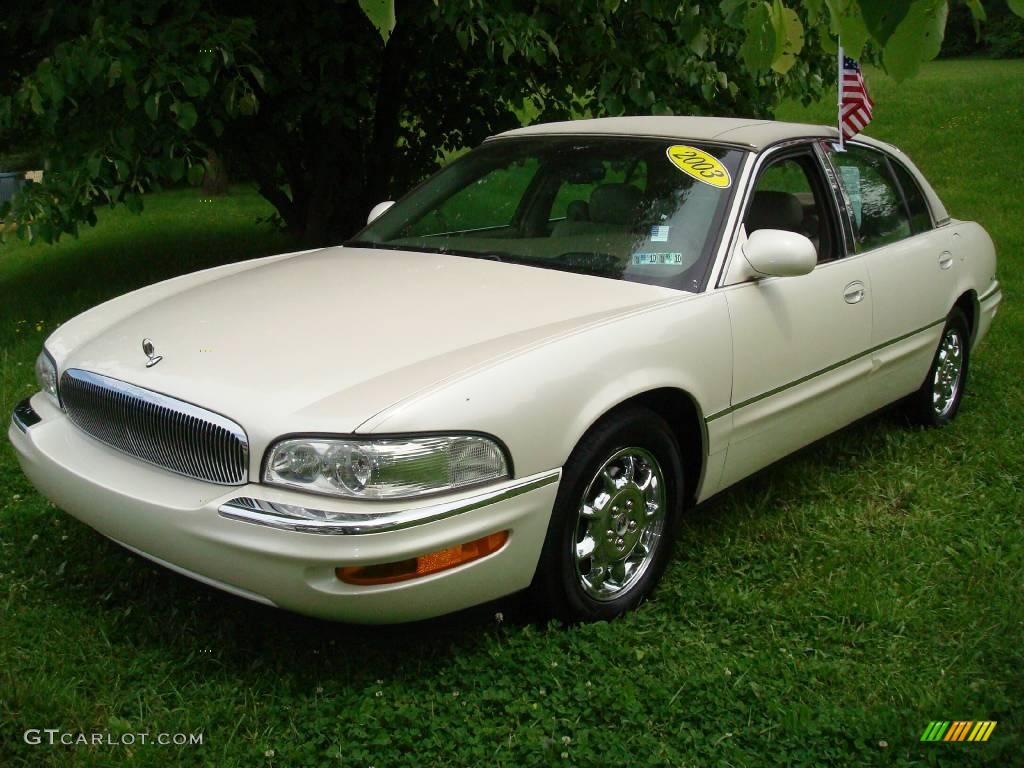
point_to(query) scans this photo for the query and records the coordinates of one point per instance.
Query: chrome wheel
(949, 368)
(620, 523)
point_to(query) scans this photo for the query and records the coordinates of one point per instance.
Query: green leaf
(758, 49)
(731, 11)
(848, 25)
(192, 86)
(152, 106)
(133, 201)
(196, 174)
(258, 76)
(131, 94)
(813, 8)
(827, 42)
(699, 43)
(881, 17)
(35, 101)
(174, 168)
(186, 114)
(917, 39)
(126, 134)
(45, 231)
(381, 14)
(248, 104)
(1017, 6)
(789, 37)
(977, 9)
(54, 86)
(231, 98)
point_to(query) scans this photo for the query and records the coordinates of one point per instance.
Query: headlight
(386, 468)
(46, 374)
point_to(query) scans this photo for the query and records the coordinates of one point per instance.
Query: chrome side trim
(25, 415)
(305, 520)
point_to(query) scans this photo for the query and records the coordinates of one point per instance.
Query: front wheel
(611, 530)
(936, 403)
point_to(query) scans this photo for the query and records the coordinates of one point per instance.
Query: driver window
(786, 198)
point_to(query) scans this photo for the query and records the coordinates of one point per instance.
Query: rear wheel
(611, 529)
(936, 403)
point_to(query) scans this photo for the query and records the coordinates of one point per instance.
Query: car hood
(324, 340)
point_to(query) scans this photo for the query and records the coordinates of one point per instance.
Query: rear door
(910, 265)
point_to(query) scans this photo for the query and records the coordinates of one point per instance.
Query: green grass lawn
(821, 613)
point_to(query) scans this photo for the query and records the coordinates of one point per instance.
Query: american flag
(855, 105)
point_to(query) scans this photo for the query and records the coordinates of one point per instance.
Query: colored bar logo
(958, 730)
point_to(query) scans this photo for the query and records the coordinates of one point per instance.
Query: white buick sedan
(520, 375)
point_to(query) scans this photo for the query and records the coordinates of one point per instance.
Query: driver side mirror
(378, 209)
(779, 253)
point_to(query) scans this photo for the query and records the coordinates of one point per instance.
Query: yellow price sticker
(700, 165)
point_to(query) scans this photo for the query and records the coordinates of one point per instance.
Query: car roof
(755, 134)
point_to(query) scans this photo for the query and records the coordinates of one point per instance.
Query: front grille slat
(176, 434)
(158, 429)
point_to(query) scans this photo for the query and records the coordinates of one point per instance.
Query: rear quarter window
(920, 216)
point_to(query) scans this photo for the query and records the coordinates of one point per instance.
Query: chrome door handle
(854, 292)
(945, 260)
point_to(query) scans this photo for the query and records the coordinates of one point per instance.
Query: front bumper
(203, 531)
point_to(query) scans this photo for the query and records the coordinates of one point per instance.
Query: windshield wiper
(489, 256)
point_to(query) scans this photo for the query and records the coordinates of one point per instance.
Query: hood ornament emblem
(150, 351)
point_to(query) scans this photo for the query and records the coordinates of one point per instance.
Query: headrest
(614, 203)
(577, 210)
(775, 210)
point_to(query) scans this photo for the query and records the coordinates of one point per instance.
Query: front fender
(541, 401)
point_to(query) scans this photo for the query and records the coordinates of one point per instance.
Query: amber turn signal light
(424, 565)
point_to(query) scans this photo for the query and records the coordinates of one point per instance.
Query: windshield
(644, 210)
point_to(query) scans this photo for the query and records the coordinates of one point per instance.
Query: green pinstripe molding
(808, 377)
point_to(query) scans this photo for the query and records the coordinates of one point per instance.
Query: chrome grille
(170, 433)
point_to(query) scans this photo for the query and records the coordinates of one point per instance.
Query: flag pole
(839, 105)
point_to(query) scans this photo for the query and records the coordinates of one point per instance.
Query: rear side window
(920, 218)
(876, 204)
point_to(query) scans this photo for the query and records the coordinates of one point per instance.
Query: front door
(798, 342)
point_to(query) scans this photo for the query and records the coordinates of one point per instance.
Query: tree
(332, 106)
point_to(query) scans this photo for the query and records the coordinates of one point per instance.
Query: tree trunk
(216, 181)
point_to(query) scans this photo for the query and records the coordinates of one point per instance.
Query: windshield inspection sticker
(672, 259)
(659, 233)
(700, 165)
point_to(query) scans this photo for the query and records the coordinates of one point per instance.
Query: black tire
(937, 402)
(566, 586)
